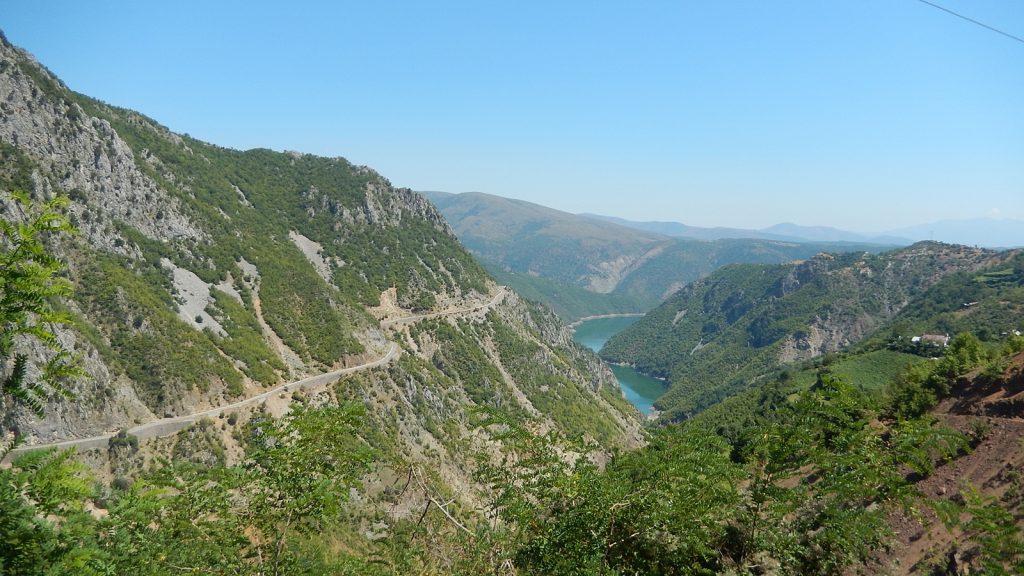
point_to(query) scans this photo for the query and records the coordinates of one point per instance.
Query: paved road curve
(168, 426)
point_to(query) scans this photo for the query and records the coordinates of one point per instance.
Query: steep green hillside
(206, 278)
(720, 335)
(872, 372)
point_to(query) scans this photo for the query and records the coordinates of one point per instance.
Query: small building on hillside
(932, 339)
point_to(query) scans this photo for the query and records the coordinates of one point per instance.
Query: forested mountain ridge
(528, 238)
(203, 276)
(581, 265)
(719, 335)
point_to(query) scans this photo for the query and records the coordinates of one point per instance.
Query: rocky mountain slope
(719, 335)
(581, 265)
(204, 276)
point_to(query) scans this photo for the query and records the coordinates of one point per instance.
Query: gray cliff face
(386, 205)
(101, 402)
(383, 205)
(881, 293)
(83, 156)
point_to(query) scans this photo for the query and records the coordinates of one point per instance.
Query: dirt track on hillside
(996, 409)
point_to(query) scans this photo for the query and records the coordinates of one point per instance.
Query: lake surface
(640, 390)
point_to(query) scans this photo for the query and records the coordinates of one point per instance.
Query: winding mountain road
(403, 320)
(169, 426)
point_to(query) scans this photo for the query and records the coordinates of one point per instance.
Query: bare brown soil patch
(990, 410)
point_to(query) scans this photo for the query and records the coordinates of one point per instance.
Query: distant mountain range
(984, 232)
(583, 265)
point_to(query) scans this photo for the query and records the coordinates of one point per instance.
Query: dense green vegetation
(805, 486)
(809, 490)
(721, 335)
(164, 357)
(262, 517)
(541, 374)
(244, 341)
(548, 390)
(920, 386)
(460, 357)
(15, 168)
(300, 307)
(902, 384)
(795, 499)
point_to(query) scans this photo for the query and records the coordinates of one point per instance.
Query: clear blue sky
(860, 114)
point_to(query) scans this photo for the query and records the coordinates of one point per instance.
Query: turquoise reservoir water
(641, 390)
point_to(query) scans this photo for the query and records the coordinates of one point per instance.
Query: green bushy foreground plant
(811, 493)
(30, 277)
(261, 517)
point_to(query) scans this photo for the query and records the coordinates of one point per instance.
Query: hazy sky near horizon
(865, 115)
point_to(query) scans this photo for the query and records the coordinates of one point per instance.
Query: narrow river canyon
(639, 389)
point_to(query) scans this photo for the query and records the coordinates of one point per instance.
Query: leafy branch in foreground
(29, 280)
(261, 518)
(990, 536)
(811, 493)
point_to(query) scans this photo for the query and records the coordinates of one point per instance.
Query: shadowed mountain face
(582, 265)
